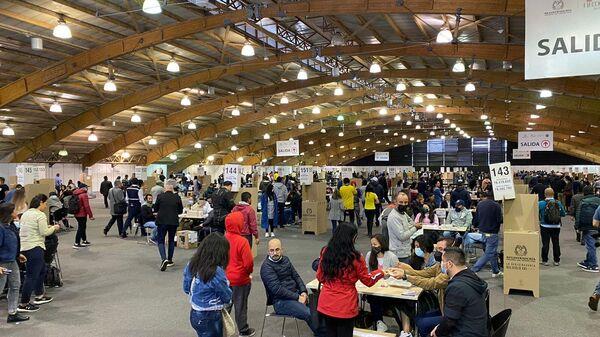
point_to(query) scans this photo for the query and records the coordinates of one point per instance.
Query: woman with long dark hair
(208, 289)
(269, 206)
(340, 266)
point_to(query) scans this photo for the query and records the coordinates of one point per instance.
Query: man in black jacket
(222, 202)
(465, 311)
(460, 194)
(284, 287)
(105, 186)
(488, 219)
(168, 206)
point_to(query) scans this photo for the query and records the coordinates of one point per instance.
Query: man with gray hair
(168, 206)
(400, 228)
(116, 196)
(157, 189)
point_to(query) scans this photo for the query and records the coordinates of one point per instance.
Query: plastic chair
(500, 323)
(273, 314)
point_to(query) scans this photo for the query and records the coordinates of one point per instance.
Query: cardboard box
(521, 213)
(187, 239)
(314, 217)
(521, 261)
(254, 199)
(314, 192)
(521, 189)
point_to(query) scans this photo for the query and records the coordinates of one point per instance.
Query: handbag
(229, 328)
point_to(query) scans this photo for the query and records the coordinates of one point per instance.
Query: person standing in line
(9, 267)
(116, 195)
(250, 228)
(595, 298)
(223, 203)
(57, 182)
(336, 209)
(134, 195)
(268, 204)
(488, 219)
(400, 229)
(281, 193)
(340, 266)
(348, 192)
(81, 216)
(550, 213)
(105, 186)
(34, 229)
(437, 192)
(3, 189)
(239, 271)
(585, 224)
(205, 283)
(371, 202)
(168, 206)
(126, 181)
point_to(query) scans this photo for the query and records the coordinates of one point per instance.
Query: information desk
(445, 228)
(380, 289)
(370, 333)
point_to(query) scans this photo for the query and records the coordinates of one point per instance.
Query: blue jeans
(597, 291)
(490, 255)
(426, 322)
(154, 231)
(207, 323)
(133, 212)
(163, 230)
(470, 239)
(590, 246)
(295, 309)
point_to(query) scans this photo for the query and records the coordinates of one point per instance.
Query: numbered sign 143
(502, 181)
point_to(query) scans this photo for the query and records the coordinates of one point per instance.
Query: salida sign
(536, 140)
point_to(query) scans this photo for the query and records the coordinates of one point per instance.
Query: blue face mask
(444, 270)
(419, 252)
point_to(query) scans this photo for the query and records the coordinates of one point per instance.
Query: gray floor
(114, 288)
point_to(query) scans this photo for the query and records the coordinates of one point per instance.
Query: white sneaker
(405, 334)
(272, 234)
(381, 326)
(499, 274)
(266, 234)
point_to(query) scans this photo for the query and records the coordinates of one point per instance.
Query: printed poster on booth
(502, 181)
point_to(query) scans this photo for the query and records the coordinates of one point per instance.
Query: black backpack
(73, 204)
(53, 278)
(552, 213)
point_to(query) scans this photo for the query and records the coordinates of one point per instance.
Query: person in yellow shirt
(348, 192)
(371, 201)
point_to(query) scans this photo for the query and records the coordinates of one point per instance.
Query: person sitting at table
(416, 205)
(431, 280)
(446, 201)
(465, 312)
(340, 266)
(459, 216)
(422, 256)
(285, 289)
(426, 215)
(380, 257)
(148, 217)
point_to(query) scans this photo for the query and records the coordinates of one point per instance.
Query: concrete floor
(114, 288)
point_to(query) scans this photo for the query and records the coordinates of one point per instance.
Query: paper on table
(364, 334)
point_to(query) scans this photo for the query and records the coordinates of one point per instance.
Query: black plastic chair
(500, 323)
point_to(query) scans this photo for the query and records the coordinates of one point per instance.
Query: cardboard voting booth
(314, 191)
(254, 200)
(314, 217)
(521, 189)
(522, 244)
(31, 190)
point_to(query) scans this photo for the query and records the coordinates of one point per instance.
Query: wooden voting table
(370, 333)
(449, 228)
(380, 289)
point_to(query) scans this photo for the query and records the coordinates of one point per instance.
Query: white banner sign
(562, 38)
(502, 181)
(536, 140)
(306, 175)
(521, 154)
(232, 172)
(288, 148)
(346, 172)
(382, 156)
(28, 174)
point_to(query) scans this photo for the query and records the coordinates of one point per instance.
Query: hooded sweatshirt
(250, 227)
(241, 262)
(84, 203)
(465, 311)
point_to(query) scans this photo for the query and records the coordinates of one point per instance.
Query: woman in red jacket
(81, 216)
(340, 266)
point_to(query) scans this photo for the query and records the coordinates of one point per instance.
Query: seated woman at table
(446, 201)
(422, 256)
(427, 216)
(459, 216)
(340, 266)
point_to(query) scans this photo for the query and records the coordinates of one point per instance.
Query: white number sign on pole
(536, 140)
(232, 172)
(382, 156)
(346, 172)
(521, 154)
(502, 181)
(28, 174)
(288, 148)
(306, 175)
(561, 38)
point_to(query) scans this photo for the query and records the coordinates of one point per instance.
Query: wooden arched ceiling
(207, 41)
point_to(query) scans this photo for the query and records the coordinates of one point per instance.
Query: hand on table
(396, 273)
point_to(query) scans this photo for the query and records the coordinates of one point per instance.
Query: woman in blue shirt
(208, 289)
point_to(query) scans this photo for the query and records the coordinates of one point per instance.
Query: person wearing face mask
(423, 256)
(459, 216)
(433, 281)
(285, 289)
(400, 229)
(465, 311)
(427, 216)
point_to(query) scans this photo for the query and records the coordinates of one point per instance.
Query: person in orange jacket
(239, 270)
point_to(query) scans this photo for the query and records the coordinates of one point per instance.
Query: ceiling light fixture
(409, 122)
(484, 117)
(62, 30)
(91, 138)
(439, 115)
(400, 87)
(444, 36)
(418, 99)
(173, 66)
(192, 126)
(545, 93)
(63, 153)
(126, 155)
(284, 100)
(55, 107)
(8, 131)
(459, 66)
(185, 101)
(135, 118)
(397, 118)
(301, 126)
(110, 85)
(151, 7)
(210, 158)
(152, 141)
(323, 130)
(197, 145)
(446, 121)
(234, 132)
(375, 68)
(302, 74)
(316, 110)
(534, 116)
(358, 123)
(234, 148)
(273, 120)
(540, 107)
(340, 118)
(235, 112)
(430, 108)
(383, 111)
(470, 87)
(338, 91)
(341, 134)
(247, 50)
(386, 131)
(266, 136)
(173, 156)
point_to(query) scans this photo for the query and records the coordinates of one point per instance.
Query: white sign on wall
(382, 156)
(306, 175)
(521, 154)
(562, 38)
(536, 140)
(232, 172)
(28, 174)
(346, 172)
(288, 148)
(502, 181)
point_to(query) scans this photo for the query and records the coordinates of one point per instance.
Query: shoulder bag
(120, 207)
(229, 328)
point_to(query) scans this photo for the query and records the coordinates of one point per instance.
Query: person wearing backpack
(84, 210)
(550, 213)
(584, 223)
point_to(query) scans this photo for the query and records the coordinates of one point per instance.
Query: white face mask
(17, 223)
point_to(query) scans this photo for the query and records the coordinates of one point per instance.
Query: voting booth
(521, 244)
(31, 190)
(314, 208)
(521, 189)
(253, 200)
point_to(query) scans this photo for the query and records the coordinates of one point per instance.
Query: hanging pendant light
(545, 93)
(341, 134)
(400, 87)
(63, 153)
(151, 7)
(540, 107)
(173, 156)
(446, 121)
(470, 87)
(452, 125)
(409, 122)
(125, 155)
(8, 131)
(459, 66)
(397, 118)
(235, 112)
(418, 127)
(62, 30)
(185, 101)
(323, 130)
(240, 159)
(338, 91)
(247, 50)
(234, 132)
(173, 66)
(375, 68)
(383, 111)
(197, 145)
(484, 117)
(444, 36)
(210, 158)
(234, 148)
(302, 74)
(284, 100)
(55, 107)
(301, 126)
(152, 141)
(192, 126)
(432, 133)
(316, 110)
(92, 137)
(135, 118)
(386, 131)
(404, 136)
(430, 108)
(266, 136)
(418, 99)
(358, 123)
(439, 116)
(110, 85)
(340, 118)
